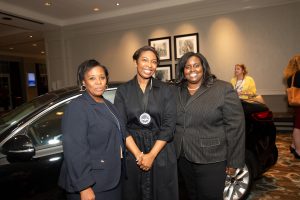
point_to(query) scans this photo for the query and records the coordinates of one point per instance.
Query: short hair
(207, 78)
(244, 68)
(138, 53)
(86, 66)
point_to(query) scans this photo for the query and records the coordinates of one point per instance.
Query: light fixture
(34, 45)
(59, 113)
(30, 36)
(42, 52)
(96, 9)
(48, 3)
(11, 48)
(117, 4)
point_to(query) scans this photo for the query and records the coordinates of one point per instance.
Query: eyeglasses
(195, 66)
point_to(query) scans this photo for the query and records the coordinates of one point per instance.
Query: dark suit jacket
(210, 126)
(91, 144)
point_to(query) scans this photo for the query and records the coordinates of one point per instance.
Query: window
(47, 129)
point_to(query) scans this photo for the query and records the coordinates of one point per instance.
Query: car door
(36, 177)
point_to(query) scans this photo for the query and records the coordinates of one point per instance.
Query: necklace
(193, 88)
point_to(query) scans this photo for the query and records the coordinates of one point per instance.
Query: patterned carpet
(282, 181)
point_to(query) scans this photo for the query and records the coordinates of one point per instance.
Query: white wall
(263, 39)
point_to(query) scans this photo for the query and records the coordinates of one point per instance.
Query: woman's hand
(147, 161)
(87, 194)
(139, 158)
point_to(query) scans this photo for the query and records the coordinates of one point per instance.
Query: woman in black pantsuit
(148, 108)
(210, 129)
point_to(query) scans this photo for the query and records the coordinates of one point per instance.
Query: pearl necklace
(193, 88)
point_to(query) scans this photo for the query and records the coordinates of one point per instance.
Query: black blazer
(91, 144)
(211, 126)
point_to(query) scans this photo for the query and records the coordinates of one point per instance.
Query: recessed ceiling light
(42, 52)
(48, 4)
(117, 4)
(11, 48)
(34, 44)
(30, 36)
(96, 9)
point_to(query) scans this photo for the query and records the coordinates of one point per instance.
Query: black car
(31, 147)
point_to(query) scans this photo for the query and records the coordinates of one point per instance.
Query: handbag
(293, 94)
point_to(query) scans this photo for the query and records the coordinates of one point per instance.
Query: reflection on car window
(47, 129)
(110, 95)
(27, 108)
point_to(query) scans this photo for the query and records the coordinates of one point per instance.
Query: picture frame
(163, 73)
(162, 46)
(186, 43)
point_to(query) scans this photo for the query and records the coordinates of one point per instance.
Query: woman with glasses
(210, 129)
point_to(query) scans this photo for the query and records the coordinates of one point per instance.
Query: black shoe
(292, 150)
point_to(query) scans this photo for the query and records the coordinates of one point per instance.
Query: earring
(82, 88)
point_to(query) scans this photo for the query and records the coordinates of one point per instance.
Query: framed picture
(162, 46)
(186, 43)
(163, 73)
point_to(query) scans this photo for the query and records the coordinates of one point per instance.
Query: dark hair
(138, 53)
(207, 78)
(86, 66)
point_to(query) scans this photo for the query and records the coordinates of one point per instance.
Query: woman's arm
(75, 145)
(250, 88)
(234, 126)
(134, 149)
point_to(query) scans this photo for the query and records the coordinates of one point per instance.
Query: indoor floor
(282, 181)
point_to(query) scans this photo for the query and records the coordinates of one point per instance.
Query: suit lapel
(197, 94)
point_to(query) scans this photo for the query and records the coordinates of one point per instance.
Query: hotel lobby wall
(264, 39)
(26, 65)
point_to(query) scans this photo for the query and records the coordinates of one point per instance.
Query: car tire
(238, 187)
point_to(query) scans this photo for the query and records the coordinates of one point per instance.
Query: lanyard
(146, 96)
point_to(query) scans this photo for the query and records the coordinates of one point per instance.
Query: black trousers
(203, 181)
(113, 194)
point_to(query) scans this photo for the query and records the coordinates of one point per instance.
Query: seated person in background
(242, 83)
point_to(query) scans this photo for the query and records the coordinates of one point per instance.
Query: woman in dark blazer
(92, 140)
(210, 129)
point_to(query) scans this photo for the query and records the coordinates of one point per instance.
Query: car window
(110, 94)
(25, 109)
(46, 130)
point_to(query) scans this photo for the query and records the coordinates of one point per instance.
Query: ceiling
(23, 22)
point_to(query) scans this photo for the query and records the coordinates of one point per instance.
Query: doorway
(5, 92)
